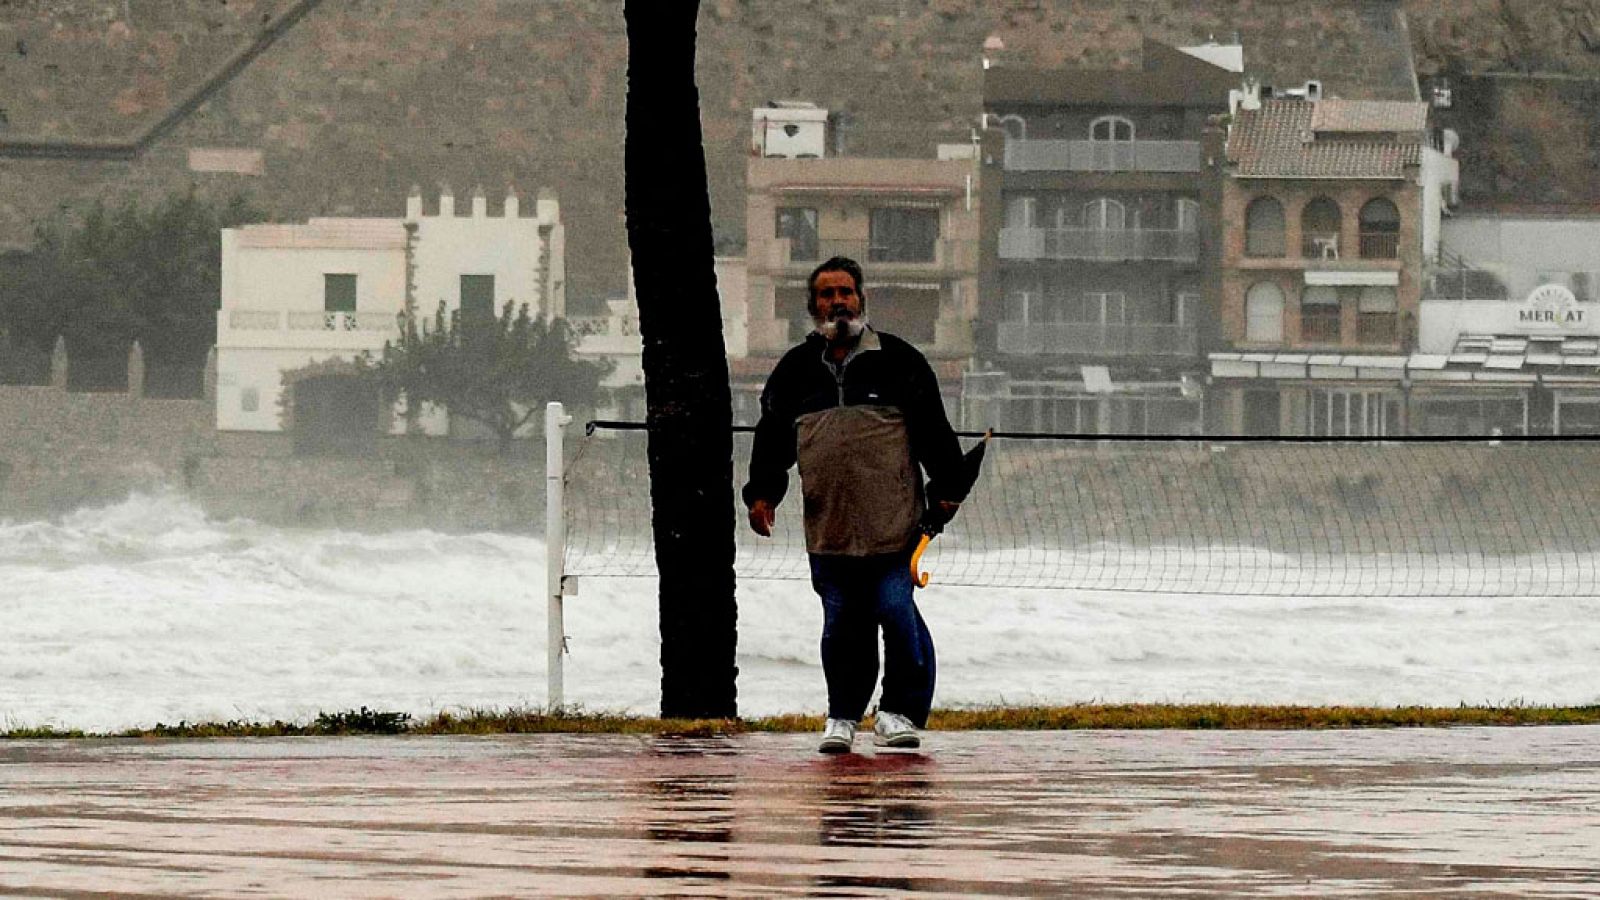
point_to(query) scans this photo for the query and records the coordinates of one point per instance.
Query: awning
(1097, 379)
(1351, 278)
(949, 190)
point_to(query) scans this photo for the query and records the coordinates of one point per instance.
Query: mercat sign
(1553, 306)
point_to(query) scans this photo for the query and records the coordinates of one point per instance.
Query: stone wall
(60, 451)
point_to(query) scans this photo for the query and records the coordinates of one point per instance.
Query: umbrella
(934, 519)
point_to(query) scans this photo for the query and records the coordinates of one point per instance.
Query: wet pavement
(1442, 813)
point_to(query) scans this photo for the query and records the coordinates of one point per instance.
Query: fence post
(555, 541)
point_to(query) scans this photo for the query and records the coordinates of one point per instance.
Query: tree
(123, 274)
(499, 372)
(689, 407)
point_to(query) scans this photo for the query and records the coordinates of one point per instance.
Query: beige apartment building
(912, 224)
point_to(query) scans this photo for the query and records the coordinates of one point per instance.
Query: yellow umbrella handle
(918, 578)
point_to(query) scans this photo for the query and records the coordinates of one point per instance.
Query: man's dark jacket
(859, 432)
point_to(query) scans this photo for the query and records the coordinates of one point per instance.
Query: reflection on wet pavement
(1486, 812)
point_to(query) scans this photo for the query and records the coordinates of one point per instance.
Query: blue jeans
(860, 595)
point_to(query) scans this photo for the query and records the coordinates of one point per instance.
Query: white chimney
(414, 204)
(513, 203)
(1250, 101)
(447, 202)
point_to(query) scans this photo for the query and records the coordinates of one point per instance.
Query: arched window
(1016, 127)
(1111, 143)
(1264, 313)
(1111, 128)
(1319, 229)
(1380, 230)
(1105, 214)
(1264, 232)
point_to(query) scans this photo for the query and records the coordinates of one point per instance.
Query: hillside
(363, 98)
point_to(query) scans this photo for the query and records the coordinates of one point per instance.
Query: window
(1264, 228)
(904, 235)
(1111, 128)
(1319, 229)
(799, 225)
(1264, 313)
(1022, 211)
(1377, 311)
(1582, 286)
(1319, 315)
(339, 293)
(1016, 127)
(250, 399)
(1020, 302)
(1106, 308)
(1185, 306)
(1111, 143)
(1055, 304)
(1380, 230)
(1105, 215)
(1263, 412)
(477, 303)
(1352, 413)
(1187, 215)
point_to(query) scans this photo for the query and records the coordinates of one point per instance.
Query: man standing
(860, 411)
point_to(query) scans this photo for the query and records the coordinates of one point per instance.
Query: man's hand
(762, 515)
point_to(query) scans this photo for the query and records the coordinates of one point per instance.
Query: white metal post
(555, 543)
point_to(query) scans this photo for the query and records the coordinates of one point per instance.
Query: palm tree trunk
(689, 408)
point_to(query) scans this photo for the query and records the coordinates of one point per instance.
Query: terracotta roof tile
(1369, 115)
(1277, 141)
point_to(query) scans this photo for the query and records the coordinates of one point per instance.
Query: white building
(1510, 327)
(333, 289)
(615, 337)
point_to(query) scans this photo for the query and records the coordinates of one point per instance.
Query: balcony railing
(1043, 338)
(308, 320)
(1380, 245)
(1319, 245)
(943, 254)
(1319, 325)
(1377, 328)
(1102, 156)
(609, 326)
(1174, 245)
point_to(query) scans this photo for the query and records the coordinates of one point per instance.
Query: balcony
(304, 329)
(1320, 245)
(1100, 244)
(944, 257)
(1093, 338)
(1102, 156)
(1319, 324)
(1380, 245)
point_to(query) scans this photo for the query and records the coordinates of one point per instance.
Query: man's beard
(832, 329)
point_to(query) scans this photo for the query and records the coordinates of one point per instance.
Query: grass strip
(1191, 717)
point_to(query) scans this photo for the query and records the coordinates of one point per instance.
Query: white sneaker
(895, 730)
(837, 736)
